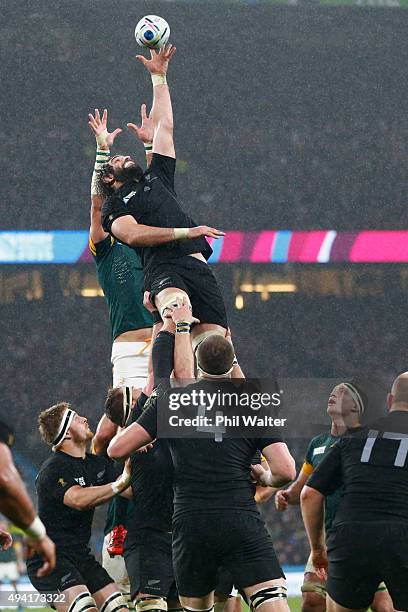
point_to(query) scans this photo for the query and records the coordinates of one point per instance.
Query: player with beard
(215, 522)
(368, 540)
(346, 405)
(70, 484)
(142, 210)
(120, 274)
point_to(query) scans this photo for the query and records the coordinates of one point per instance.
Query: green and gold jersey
(317, 449)
(120, 276)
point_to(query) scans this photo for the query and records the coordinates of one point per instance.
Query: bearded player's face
(124, 168)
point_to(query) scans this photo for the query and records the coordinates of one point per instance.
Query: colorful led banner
(282, 246)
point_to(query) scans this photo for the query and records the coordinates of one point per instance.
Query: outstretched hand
(145, 132)
(159, 60)
(99, 126)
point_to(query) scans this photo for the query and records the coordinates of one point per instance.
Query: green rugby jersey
(120, 275)
(317, 449)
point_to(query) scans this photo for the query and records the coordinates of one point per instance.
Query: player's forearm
(263, 494)
(162, 111)
(146, 236)
(15, 503)
(150, 371)
(183, 357)
(128, 441)
(312, 505)
(85, 498)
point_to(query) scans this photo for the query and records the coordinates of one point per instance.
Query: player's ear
(390, 399)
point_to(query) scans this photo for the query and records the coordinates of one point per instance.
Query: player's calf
(313, 593)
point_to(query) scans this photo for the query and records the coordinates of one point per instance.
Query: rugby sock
(163, 355)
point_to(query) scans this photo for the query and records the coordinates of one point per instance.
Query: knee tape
(173, 300)
(114, 602)
(314, 587)
(268, 595)
(144, 604)
(83, 601)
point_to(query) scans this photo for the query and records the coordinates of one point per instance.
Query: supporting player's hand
(320, 562)
(159, 60)
(182, 312)
(145, 132)
(260, 475)
(147, 303)
(282, 500)
(99, 126)
(204, 230)
(5, 539)
(46, 549)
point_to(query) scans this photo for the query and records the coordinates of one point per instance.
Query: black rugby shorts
(363, 554)
(73, 568)
(235, 541)
(148, 559)
(195, 278)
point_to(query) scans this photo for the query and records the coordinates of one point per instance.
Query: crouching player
(70, 484)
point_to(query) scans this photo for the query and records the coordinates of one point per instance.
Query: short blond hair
(49, 421)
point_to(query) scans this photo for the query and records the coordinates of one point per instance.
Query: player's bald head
(399, 391)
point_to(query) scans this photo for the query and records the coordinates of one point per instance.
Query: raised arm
(162, 112)
(104, 141)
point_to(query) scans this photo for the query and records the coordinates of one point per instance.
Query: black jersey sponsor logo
(129, 195)
(62, 482)
(80, 481)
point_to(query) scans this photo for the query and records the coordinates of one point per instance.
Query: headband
(215, 375)
(356, 395)
(127, 404)
(63, 428)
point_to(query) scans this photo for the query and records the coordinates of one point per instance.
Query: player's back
(120, 274)
(374, 470)
(212, 476)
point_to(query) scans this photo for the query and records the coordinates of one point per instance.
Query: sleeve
(113, 208)
(307, 466)
(327, 477)
(56, 480)
(100, 249)
(164, 167)
(148, 420)
(262, 443)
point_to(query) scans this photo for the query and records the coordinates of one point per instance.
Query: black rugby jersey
(67, 527)
(152, 483)
(372, 466)
(210, 476)
(153, 201)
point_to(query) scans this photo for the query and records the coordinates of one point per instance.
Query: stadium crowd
(317, 148)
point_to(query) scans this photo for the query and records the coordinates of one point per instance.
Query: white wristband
(159, 79)
(181, 233)
(122, 483)
(101, 138)
(36, 531)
